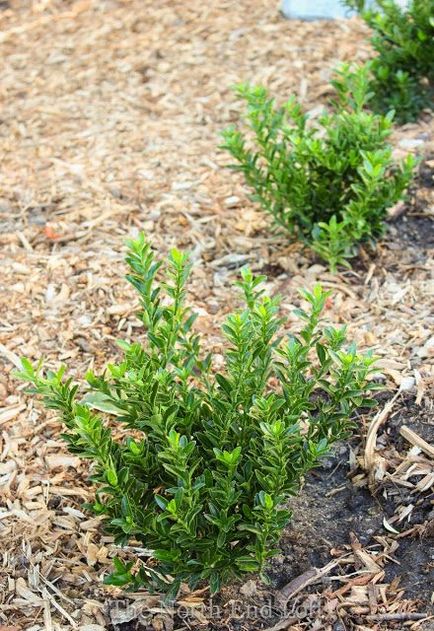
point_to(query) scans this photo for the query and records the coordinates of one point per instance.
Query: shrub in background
(205, 461)
(329, 183)
(403, 70)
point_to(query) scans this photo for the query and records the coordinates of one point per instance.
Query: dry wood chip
(9, 413)
(23, 591)
(416, 440)
(373, 463)
(10, 356)
(55, 461)
(297, 584)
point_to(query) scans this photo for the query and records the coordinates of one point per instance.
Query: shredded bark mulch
(110, 121)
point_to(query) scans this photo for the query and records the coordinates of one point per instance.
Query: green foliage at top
(329, 183)
(197, 465)
(403, 70)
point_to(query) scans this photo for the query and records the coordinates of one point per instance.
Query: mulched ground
(110, 121)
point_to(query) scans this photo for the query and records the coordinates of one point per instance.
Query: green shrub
(194, 464)
(403, 70)
(329, 185)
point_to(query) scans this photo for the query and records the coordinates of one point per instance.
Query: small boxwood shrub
(330, 183)
(197, 465)
(402, 73)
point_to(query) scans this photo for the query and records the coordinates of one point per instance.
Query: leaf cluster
(328, 184)
(402, 73)
(197, 465)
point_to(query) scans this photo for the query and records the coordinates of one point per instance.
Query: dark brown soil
(328, 519)
(414, 230)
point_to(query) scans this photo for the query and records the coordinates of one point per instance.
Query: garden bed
(110, 119)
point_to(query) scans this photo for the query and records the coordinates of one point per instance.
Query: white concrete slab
(320, 9)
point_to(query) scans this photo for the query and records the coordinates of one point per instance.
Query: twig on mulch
(373, 463)
(399, 617)
(300, 582)
(416, 440)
